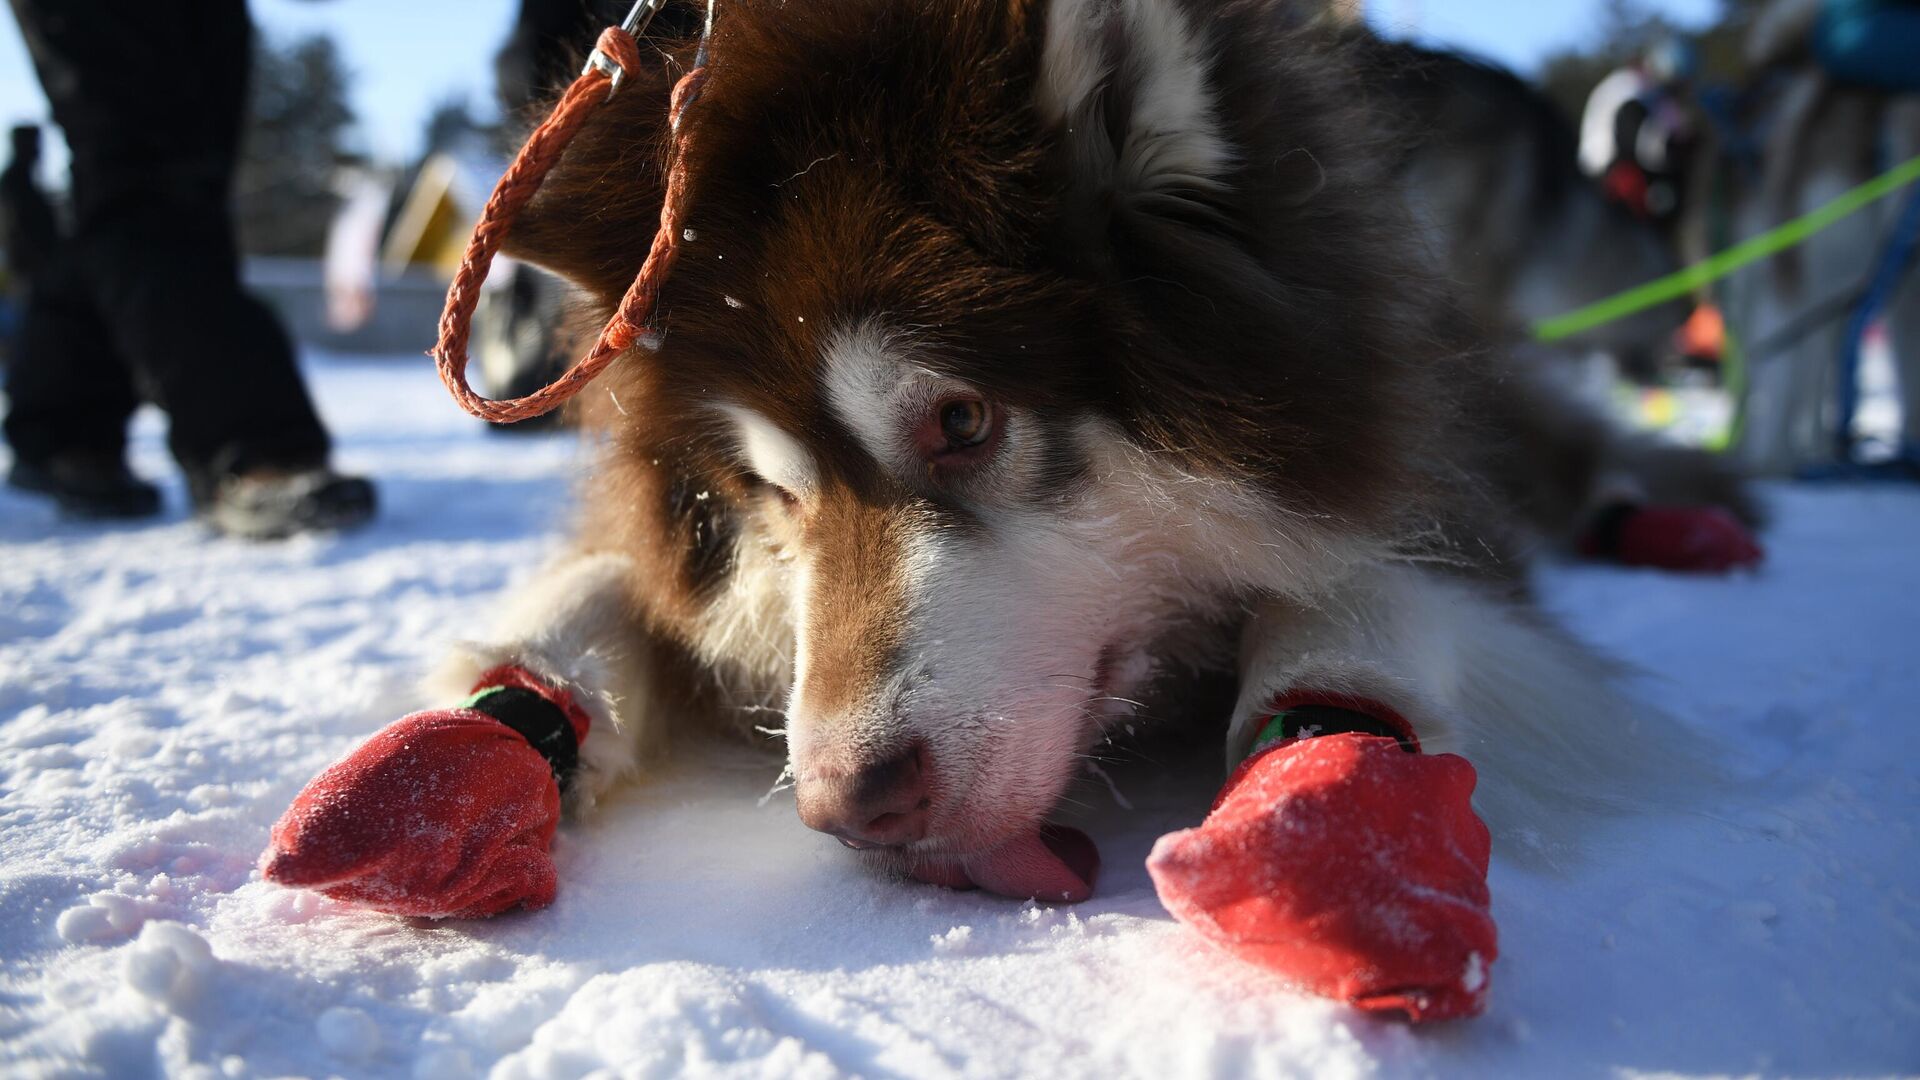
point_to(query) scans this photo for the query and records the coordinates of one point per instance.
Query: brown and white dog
(1027, 358)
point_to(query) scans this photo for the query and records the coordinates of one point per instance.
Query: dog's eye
(965, 423)
(957, 433)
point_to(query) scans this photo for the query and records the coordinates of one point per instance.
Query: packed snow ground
(163, 694)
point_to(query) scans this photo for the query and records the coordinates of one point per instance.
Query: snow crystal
(153, 972)
(85, 923)
(168, 963)
(955, 940)
(1475, 976)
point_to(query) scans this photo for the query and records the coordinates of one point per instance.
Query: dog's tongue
(1055, 864)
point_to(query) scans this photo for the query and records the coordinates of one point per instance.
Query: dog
(1028, 363)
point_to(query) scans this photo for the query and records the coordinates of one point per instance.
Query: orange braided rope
(515, 189)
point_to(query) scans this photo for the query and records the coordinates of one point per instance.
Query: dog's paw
(1690, 539)
(443, 814)
(1349, 866)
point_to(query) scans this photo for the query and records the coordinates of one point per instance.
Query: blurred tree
(452, 126)
(297, 123)
(1723, 45)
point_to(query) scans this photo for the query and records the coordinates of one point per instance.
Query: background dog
(1490, 164)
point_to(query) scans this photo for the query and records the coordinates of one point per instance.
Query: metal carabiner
(634, 24)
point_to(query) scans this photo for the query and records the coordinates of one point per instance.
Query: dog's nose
(880, 804)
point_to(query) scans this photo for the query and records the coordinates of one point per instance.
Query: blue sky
(408, 55)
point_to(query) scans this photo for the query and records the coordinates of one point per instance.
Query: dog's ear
(1125, 86)
(594, 217)
(1267, 315)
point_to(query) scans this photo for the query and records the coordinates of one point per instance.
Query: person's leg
(68, 393)
(26, 214)
(214, 357)
(69, 397)
(1902, 134)
(151, 98)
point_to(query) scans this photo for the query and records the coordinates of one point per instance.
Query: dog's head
(1006, 346)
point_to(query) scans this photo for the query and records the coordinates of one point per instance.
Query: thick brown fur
(1277, 331)
(1247, 407)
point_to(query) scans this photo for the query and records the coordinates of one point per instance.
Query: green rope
(1767, 244)
(1733, 379)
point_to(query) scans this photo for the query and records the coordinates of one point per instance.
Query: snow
(348, 1033)
(163, 694)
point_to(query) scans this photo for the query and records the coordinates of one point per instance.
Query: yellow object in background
(432, 227)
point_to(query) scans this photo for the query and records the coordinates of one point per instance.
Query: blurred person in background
(1637, 130)
(28, 229)
(27, 221)
(1829, 103)
(141, 299)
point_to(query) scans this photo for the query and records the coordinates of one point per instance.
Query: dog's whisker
(1112, 788)
(781, 783)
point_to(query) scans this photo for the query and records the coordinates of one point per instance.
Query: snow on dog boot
(1698, 539)
(1345, 860)
(444, 814)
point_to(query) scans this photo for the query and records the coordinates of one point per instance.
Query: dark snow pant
(143, 299)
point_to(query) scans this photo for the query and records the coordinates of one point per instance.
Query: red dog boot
(1347, 861)
(443, 814)
(1699, 539)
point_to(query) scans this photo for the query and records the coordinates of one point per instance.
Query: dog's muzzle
(876, 803)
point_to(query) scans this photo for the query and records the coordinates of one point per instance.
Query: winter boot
(268, 504)
(97, 486)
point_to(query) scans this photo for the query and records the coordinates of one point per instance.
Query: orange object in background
(1704, 335)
